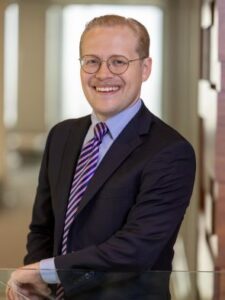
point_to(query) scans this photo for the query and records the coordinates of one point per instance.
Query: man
(120, 208)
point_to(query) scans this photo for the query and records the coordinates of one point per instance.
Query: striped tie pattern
(86, 166)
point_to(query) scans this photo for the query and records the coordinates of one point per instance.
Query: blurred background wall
(39, 86)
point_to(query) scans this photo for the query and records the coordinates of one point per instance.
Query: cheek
(84, 81)
(134, 82)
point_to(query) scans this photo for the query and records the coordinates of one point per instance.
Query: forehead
(109, 40)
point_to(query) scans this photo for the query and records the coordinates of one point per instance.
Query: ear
(146, 68)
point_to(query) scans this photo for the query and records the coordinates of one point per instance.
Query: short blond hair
(143, 39)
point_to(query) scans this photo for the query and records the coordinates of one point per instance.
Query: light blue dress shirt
(115, 125)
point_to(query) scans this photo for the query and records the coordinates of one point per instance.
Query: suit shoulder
(64, 127)
(163, 136)
(60, 132)
(67, 124)
(165, 131)
(156, 128)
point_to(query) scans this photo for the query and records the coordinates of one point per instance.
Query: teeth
(107, 89)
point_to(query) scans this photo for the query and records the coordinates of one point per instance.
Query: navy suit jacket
(130, 214)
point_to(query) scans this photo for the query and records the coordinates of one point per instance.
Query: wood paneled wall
(212, 122)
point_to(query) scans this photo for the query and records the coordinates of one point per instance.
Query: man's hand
(26, 283)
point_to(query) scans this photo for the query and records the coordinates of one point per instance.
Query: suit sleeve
(40, 237)
(166, 185)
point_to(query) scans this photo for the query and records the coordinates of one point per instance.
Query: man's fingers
(15, 292)
(28, 291)
(26, 283)
(9, 293)
(13, 295)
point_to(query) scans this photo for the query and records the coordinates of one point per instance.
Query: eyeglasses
(117, 64)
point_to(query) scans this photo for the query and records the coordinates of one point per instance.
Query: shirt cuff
(48, 271)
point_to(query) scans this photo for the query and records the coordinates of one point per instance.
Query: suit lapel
(124, 145)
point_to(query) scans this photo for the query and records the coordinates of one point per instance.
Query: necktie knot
(100, 130)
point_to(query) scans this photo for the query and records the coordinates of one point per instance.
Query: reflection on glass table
(150, 285)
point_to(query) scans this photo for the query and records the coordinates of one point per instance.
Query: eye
(91, 61)
(118, 61)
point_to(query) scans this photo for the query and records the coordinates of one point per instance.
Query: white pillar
(2, 131)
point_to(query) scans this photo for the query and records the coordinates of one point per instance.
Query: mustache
(105, 82)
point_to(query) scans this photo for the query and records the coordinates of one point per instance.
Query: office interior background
(39, 86)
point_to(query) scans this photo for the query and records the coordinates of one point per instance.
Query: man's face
(107, 93)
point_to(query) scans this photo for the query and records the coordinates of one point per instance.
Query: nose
(104, 71)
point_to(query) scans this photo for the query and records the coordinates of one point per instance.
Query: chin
(104, 115)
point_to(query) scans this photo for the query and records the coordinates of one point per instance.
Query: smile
(107, 89)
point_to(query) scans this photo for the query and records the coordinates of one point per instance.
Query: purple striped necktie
(85, 169)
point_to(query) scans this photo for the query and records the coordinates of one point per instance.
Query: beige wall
(31, 98)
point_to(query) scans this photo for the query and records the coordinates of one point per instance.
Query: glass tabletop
(149, 285)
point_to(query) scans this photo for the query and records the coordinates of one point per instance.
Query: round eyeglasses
(117, 64)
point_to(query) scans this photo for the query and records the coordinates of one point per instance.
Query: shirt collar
(117, 123)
